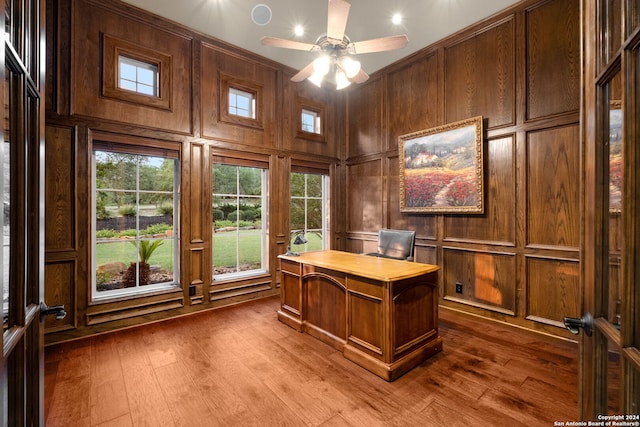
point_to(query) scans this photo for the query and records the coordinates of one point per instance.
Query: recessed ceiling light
(298, 30)
(396, 19)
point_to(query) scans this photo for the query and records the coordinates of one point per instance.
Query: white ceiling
(424, 22)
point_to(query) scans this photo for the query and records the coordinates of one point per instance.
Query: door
(21, 191)
(610, 359)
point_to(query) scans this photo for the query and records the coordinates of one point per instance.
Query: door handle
(574, 324)
(56, 310)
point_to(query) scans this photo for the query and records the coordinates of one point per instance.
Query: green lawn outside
(224, 250)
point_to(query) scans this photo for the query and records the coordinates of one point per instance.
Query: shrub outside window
(309, 211)
(239, 240)
(135, 238)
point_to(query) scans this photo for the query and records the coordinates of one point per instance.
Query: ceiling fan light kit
(336, 50)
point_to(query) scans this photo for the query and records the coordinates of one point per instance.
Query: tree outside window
(135, 243)
(309, 211)
(239, 240)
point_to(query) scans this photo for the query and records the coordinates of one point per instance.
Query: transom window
(137, 76)
(309, 212)
(311, 121)
(242, 103)
(135, 222)
(239, 239)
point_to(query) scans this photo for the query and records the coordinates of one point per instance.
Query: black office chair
(396, 244)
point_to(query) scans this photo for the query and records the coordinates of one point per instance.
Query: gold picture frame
(441, 169)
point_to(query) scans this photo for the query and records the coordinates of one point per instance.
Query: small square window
(242, 103)
(138, 76)
(311, 122)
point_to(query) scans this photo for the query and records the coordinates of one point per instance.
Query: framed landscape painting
(441, 169)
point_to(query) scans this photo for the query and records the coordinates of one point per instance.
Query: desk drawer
(368, 287)
(290, 267)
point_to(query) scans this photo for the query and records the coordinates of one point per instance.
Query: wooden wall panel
(553, 187)
(364, 188)
(60, 179)
(407, 112)
(552, 38)
(90, 22)
(365, 112)
(426, 253)
(218, 64)
(60, 280)
(522, 64)
(479, 76)
(497, 224)
(554, 288)
(488, 279)
(305, 95)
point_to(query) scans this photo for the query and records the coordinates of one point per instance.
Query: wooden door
(21, 191)
(610, 371)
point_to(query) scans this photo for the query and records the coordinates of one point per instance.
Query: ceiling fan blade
(361, 77)
(288, 44)
(337, 20)
(303, 74)
(378, 45)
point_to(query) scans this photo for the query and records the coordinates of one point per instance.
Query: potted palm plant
(145, 250)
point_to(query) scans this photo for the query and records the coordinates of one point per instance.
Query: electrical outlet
(458, 288)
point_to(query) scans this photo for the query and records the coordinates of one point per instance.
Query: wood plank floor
(239, 366)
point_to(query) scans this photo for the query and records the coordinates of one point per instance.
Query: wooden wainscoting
(240, 366)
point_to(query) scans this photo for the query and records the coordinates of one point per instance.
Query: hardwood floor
(239, 366)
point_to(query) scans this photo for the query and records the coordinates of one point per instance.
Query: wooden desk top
(382, 269)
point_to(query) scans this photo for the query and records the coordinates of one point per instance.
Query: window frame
(113, 49)
(303, 104)
(123, 145)
(317, 121)
(326, 203)
(138, 65)
(239, 93)
(227, 83)
(251, 162)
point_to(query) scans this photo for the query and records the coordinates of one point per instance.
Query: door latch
(585, 322)
(56, 310)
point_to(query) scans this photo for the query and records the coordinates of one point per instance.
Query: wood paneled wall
(518, 262)
(81, 107)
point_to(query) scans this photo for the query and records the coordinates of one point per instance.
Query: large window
(239, 206)
(135, 222)
(309, 212)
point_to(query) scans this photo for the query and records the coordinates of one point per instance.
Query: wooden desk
(381, 313)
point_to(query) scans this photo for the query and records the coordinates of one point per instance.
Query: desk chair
(396, 244)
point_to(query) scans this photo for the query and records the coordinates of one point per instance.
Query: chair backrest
(396, 243)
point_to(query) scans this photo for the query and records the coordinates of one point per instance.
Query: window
(242, 103)
(239, 240)
(311, 122)
(135, 238)
(309, 211)
(137, 76)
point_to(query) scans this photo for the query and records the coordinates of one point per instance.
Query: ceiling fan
(335, 50)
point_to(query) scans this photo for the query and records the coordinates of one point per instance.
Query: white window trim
(263, 234)
(150, 288)
(139, 65)
(316, 121)
(233, 109)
